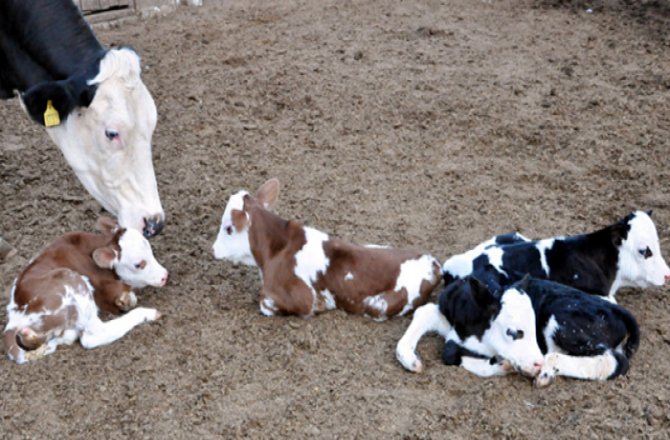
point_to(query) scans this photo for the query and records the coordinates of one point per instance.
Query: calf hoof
(126, 301)
(544, 379)
(409, 362)
(7, 251)
(148, 314)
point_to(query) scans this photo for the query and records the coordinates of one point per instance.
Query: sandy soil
(421, 124)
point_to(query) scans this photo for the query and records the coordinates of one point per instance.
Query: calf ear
(268, 193)
(239, 219)
(106, 225)
(650, 212)
(619, 233)
(481, 294)
(105, 257)
(64, 97)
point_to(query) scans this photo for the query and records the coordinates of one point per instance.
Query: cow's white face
(108, 143)
(136, 264)
(232, 242)
(512, 333)
(641, 263)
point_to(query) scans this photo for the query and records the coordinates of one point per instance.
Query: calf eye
(515, 334)
(141, 265)
(646, 253)
(111, 134)
(229, 230)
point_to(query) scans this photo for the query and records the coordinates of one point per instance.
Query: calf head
(104, 127)
(232, 242)
(130, 257)
(511, 331)
(641, 263)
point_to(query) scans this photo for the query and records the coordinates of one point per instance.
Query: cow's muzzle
(153, 225)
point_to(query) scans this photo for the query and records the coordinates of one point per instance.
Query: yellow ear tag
(51, 117)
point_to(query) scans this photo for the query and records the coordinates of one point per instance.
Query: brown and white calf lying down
(305, 271)
(56, 299)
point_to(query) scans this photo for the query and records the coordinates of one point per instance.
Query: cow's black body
(47, 52)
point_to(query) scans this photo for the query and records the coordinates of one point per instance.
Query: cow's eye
(229, 230)
(141, 265)
(646, 253)
(515, 334)
(111, 134)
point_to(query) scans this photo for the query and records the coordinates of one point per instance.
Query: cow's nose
(153, 225)
(165, 278)
(667, 279)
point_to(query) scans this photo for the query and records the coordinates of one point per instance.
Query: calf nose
(538, 364)
(667, 279)
(153, 225)
(164, 280)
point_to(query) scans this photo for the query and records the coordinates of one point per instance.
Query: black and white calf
(626, 253)
(580, 335)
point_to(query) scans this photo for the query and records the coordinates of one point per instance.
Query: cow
(56, 299)
(91, 100)
(578, 335)
(305, 271)
(624, 254)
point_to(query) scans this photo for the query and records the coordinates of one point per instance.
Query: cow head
(130, 257)
(641, 263)
(104, 127)
(511, 333)
(232, 242)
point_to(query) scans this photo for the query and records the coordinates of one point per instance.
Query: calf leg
(97, 333)
(296, 299)
(427, 318)
(384, 305)
(600, 367)
(455, 354)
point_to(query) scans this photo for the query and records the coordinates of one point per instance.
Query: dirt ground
(426, 124)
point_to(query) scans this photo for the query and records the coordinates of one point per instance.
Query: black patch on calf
(469, 307)
(509, 238)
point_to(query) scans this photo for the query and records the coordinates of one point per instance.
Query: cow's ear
(480, 293)
(106, 225)
(50, 103)
(650, 212)
(105, 257)
(239, 219)
(268, 193)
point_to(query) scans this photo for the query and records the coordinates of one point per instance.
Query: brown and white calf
(305, 271)
(53, 301)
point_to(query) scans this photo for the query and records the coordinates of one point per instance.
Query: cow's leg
(599, 367)
(295, 299)
(97, 333)
(427, 318)
(384, 305)
(455, 354)
(484, 367)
